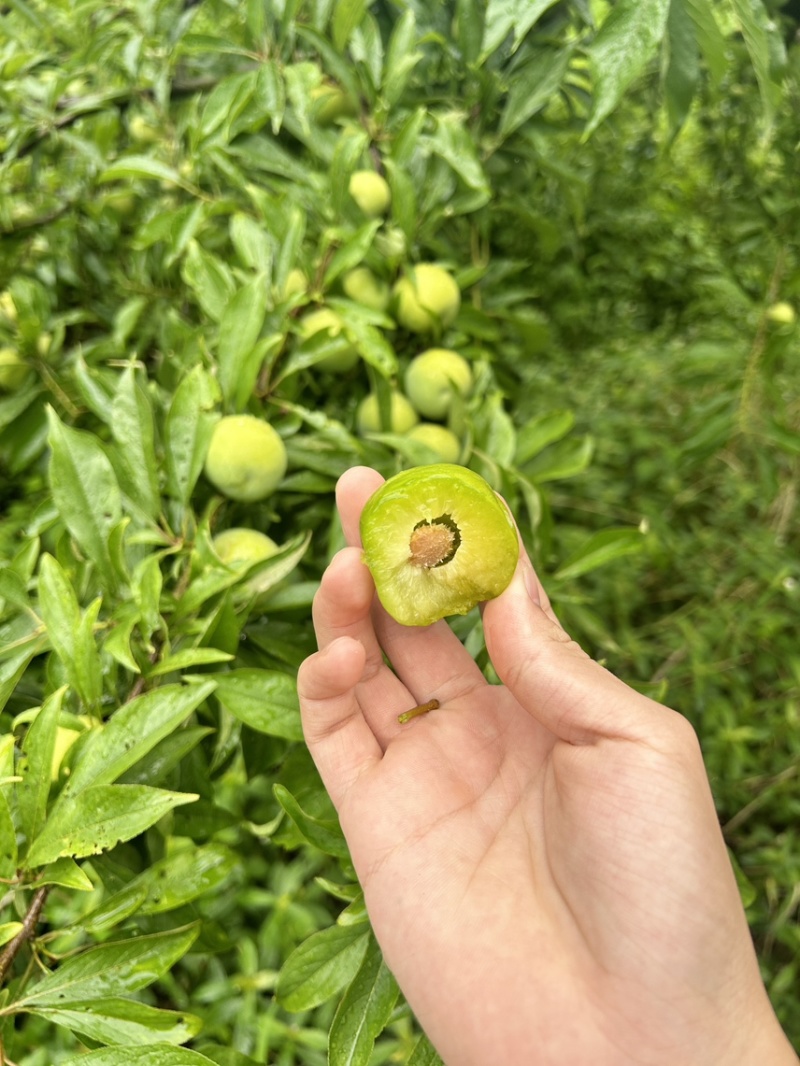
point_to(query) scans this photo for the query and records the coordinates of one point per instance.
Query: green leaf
(402, 56)
(266, 700)
(100, 817)
(545, 429)
(327, 836)
(352, 253)
(67, 873)
(70, 631)
(424, 1054)
(36, 763)
(252, 244)
(346, 16)
(8, 841)
(363, 1011)
(133, 426)
(209, 278)
(132, 732)
(85, 491)
(122, 1021)
(599, 549)
(189, 426)
(114, 969)
(627, 41)
(238, 332)
(168, 884)
(142, 166)
(766, 49)
(683, 70)
(709, 36)
(321, 966)
(150, 1055)
(504, 15)
(566, 460)
(187, 658)
(532, 87)
(453, 141)
(12, 588)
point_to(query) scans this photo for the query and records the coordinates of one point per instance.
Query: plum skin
(476, 563)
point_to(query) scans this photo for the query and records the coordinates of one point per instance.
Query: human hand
(541, 861)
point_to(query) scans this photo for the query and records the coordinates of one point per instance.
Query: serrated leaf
(122, 1021)
(321, 966)
(265, 700)
(132, 732)
(114, 969)
(85, 491)
(599, 549)
(363, 1011)
(99, 818)
(627, 41)
(327, 836)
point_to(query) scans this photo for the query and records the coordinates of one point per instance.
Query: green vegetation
(596, 207)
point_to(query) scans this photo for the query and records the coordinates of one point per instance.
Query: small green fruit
(437, 541)
(390, 242)
(371, 192)
(246, 458)
(782, 314)
(362, 286)
(296, 282)
(445, 445)
(328, 320)
(8, 309)
(434, 377)
(241, 545)
(329, 102)
(427, 299)
(142, 131)
(13, 370)
(402, 415)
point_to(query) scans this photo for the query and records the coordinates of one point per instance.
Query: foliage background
(614, 187)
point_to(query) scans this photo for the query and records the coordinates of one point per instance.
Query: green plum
(437, 541)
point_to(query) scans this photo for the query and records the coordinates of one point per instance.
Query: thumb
(569, 693)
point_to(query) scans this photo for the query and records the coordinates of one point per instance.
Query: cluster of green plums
(436, 538)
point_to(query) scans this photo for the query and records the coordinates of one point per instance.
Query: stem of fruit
(415, 712)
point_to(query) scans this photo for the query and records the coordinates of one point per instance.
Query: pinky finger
(340, 741)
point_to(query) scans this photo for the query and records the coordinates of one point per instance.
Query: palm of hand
(493, 831)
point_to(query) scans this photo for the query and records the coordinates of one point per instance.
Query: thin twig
(29, 923)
